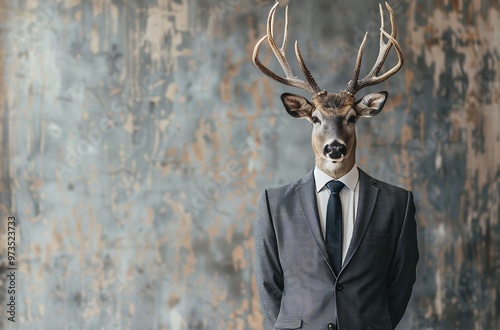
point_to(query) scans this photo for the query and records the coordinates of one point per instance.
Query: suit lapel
(367, 199)
(306, 193)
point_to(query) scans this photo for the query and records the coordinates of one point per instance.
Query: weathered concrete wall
(136, 136)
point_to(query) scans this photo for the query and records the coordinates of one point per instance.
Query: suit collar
(368, 192)
(306, 193)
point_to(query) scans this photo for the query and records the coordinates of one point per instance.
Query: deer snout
(335, 150)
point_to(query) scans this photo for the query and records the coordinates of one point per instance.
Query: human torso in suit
(296, 285)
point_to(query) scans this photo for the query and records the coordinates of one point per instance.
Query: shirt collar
(350, 179)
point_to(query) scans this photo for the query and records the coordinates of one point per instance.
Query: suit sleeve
(267, 267)
(402, 274)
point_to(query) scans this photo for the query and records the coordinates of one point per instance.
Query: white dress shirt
(349, 197)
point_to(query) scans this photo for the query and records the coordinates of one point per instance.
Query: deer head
(333, 115)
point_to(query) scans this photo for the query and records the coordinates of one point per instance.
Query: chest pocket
(284, 323)
(377, 237)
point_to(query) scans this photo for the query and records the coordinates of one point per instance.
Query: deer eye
(315, 120)
(352, 119)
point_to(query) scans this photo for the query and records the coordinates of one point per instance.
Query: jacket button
(340, 287)
(331, 326)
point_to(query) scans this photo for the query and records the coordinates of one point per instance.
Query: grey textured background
(136, 136)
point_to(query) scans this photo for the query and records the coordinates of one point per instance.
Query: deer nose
(335, 150)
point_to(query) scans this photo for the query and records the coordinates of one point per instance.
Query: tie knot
(335, 186)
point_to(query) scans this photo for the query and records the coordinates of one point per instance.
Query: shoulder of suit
(386, 187)
(285, 189)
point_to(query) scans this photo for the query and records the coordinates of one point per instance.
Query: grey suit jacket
(296, 285)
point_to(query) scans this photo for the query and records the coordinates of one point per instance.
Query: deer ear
(371, 104)
(297, 106)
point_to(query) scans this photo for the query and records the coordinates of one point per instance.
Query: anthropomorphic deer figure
(336, 249)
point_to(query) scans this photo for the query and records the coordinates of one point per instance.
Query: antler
(280, 53)
(371, 78)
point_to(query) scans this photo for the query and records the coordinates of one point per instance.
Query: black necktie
(334, 225)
